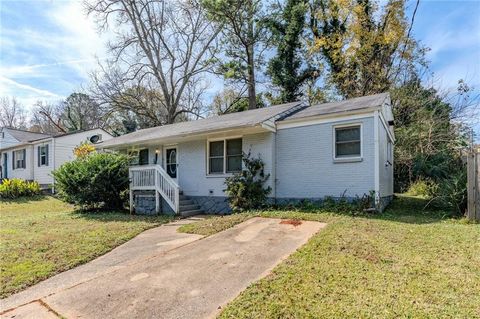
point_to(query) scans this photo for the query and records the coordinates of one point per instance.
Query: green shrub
(452, 193)
(98, 180)
(246, 189)
(14, 188)
(424, 188)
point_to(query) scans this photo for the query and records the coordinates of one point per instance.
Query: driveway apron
(195, 279)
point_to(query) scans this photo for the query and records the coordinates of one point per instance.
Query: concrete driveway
(174, 275)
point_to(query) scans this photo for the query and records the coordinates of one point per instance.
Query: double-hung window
(19, 159)
(225, 156)
(43, 155)
(348, 142)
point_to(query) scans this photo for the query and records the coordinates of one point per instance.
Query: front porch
(187, 174)
(147, 181)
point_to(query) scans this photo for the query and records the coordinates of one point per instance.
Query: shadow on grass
(23, 200)
(403, 209)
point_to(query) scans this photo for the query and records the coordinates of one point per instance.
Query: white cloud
(80, 38)
(50, 57)
(26, 94)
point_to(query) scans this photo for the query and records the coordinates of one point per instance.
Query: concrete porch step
(184, 208)
(186, 202)
(191, 212)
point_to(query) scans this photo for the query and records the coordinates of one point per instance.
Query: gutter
(332, 115)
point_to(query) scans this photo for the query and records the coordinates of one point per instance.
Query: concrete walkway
(164, 274)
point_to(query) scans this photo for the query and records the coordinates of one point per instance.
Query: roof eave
(179, 137)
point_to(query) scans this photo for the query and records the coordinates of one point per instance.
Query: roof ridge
(294, 109)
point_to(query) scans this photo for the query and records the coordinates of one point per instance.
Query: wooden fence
(473, 185)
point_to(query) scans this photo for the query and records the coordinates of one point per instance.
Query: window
(390, 152)
(234, 155)
(347, 142)
(19, 159)
(225, 156)
(216, 157)
(43, 155)
(143, 157)
(138, 157)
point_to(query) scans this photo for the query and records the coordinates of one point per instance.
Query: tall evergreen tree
(243, 39)
(288, 69)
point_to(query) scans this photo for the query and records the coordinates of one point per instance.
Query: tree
(163, 46)
(227, 101)
(243, 34)
(290, 69)
(80, 112)
(77, 112)
(366, 48)
(12, 113)
(231, 101)
(428, 143)
(47, 118)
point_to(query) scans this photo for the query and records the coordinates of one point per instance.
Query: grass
(214, 224)
(43, 236)
(404, 263)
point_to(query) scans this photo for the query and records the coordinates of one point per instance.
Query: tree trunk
(252, 96)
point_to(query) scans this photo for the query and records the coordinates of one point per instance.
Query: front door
(143, 157)
(171, 162)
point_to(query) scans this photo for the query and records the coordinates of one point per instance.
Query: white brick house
(332, 149)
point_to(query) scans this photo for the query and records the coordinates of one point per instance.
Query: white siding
(192, 169)
(64, 145)
(22, 173)
(385, 169)
(42, 174)
(306, 169)
(60, 151)
(8, 140)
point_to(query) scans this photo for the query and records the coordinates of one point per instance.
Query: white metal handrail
(147, 177)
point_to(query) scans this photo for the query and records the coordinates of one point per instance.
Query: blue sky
(48, 47)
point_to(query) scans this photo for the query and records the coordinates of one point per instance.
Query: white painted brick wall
(305, 166)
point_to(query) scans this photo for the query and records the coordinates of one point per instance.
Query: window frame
(134, 154)
(24, 163)
(45, 147)
(389, 151)
(225, 172)
(353, 158)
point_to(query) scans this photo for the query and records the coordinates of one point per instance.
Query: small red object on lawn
(294, 222)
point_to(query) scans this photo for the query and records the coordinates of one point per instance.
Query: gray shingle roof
(25, 136)
(245, 119)
(216, 123)
(341, 106)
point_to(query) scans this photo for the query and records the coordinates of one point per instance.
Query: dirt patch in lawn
(294, 222)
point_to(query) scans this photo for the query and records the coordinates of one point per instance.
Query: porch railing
(154, 177)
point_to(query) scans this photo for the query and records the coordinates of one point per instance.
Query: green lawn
(404, 263)
(42, 237)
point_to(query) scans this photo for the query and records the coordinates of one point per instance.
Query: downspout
(53, 164)
(274, 168)
(376, 140)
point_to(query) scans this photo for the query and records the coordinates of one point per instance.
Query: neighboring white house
(33, 156)
(333, 149)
